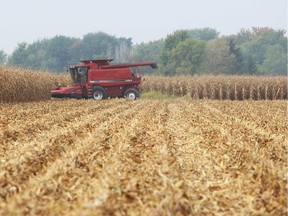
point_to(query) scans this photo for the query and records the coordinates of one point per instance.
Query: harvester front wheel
(131, 94)
(99, 93)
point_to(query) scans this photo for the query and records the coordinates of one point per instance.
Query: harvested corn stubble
(144, 157)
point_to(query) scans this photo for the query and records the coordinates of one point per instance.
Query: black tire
(131, 94)
(99, 93)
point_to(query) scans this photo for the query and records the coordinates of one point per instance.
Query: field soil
(144, 157)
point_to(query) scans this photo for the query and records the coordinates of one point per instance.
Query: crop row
(144, 157)
(19, 85)
(220, 87)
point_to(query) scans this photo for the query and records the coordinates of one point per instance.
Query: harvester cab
(79, 74)
(98, 79)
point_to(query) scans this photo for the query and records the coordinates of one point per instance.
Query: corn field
(225, 156)
(143, 157)
(220, 87)
(18, 85)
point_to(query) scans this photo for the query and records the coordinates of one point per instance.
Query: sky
(141, 20)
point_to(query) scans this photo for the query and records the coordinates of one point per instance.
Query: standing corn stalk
(18, 85)
(220, 87)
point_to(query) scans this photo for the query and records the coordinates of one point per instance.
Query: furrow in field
(263, 115)
(18, 133)
(269, 116)
(197, 173)
(95, 139)
(238, 157)
(136, 175)
(51, 146)
(155, 157)
(270, 144)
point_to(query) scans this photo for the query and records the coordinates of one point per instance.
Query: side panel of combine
(110, 75)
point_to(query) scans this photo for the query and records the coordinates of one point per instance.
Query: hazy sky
(142, 20)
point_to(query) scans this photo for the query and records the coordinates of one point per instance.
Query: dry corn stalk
(220, 87)
(18, 85)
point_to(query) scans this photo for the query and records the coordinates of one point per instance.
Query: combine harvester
(98, 79)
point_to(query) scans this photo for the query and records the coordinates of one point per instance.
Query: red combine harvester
(98, 79)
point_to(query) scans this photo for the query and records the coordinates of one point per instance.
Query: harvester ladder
(89, 91)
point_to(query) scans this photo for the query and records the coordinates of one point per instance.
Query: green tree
(96, 44)
(146, 52)
(122, 50)
(275, 61)
(249, 66)
(102, 45)
(19, 55)
(261, 44)
(59, 52)
(174, 39)
(254, 45)
(3, 57)
(75, 51)
(186, 58)
(219, 59)
(170, 43)
(36, 54)
(244, 36)
(205, 34)
(50, 54)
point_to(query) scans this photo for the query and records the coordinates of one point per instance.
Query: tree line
(256, 51)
